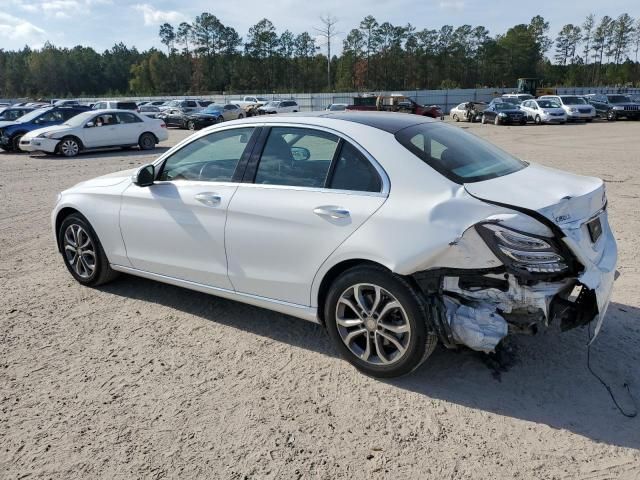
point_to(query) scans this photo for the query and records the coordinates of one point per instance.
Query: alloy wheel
(79, 251)
(373, 324)
(69, 147)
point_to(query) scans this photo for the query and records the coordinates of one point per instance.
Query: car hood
(53, 128)
(510, 111)
(107, 180)
(205, 115)
(6, 124)
(562, 197)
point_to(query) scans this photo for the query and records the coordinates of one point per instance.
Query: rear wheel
(82, 252)
(69, 147)
(147, 141)
(240, 116)
(191, 125)
(378, 322)
(538, 120)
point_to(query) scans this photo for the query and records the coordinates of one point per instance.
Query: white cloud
(156, 17)
(452, 4)
(15, 28)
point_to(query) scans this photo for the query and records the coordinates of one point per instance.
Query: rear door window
(353, 171)
(127, 118)
(297, 157)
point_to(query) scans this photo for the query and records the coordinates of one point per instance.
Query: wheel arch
(150, 133)
(60, 216)
(76, 138)
(334, 272)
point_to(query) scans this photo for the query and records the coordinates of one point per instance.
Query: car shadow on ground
(544, 379)
(107, 153)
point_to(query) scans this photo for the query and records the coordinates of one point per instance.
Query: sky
(102, 23)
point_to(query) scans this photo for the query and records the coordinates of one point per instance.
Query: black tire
(147, 141)
(102, 272)
(496, 121)
(241, 116)
(420, 342)
(483, 120)
(611, 116)
(191, 125)
(15, 142)
(220, 119)
(69, 147)
(538, 120)
(455, 118)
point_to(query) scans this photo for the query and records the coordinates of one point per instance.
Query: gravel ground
(142, 380)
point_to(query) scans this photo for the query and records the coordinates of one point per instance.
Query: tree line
(206, 56)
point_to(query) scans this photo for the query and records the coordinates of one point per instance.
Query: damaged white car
(392, 230)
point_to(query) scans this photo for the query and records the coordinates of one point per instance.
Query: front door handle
(331, 211)
(209, 199)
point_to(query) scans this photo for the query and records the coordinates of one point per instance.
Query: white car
(336, 107)
(574, 106)
(394, 231)
(279, 106)
(96, 129)
(544, 111)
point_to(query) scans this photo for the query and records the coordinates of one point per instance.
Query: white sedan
(544, 111)
(97, 129)
(394, 231)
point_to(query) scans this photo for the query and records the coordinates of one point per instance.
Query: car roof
(387, 121)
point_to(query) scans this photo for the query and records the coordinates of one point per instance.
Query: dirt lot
(143, 380)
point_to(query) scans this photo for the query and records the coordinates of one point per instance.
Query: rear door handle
(331, 211)
(209, 199)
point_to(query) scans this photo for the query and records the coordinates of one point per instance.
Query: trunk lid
(568, 200)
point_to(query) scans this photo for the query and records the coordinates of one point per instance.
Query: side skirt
(300, 311)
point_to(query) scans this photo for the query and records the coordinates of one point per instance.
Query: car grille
(556, 114)
(632, 107)
(584, 110)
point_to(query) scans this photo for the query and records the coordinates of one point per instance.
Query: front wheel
(16, 142)
(191, 125)
(82, 252)
(483, 121)
(538, 120)
(611, 116)
(69, 147)
(220, 119)
(378, 322)
(455, 118)
(241, 116)
(147, 141)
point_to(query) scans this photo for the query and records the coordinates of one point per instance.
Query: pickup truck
(250, 104)
(395, 103)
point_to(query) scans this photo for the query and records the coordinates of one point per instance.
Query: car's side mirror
(300, 153)
(145, 175)
(90, 124)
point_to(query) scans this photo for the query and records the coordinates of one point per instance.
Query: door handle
(330, 211)
(208, 198)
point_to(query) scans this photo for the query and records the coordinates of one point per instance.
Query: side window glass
(191, 104)
(297, 157)
(354, 172)
(127, 118)
(213, 158)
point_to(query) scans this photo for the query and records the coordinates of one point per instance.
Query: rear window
(456, 154)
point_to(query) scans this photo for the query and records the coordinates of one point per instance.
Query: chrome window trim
(386, 183)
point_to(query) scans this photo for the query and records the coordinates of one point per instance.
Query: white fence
(447, 99)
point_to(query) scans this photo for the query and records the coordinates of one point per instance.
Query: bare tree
(328, 31)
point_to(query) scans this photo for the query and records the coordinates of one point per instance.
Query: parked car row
(70, 130)
(557, 109)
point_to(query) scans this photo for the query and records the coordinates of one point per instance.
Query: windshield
(548, 104)
(80, 119)
(9, 114)
(618, 98)
(505, 106)
(32, 115)
(212, 109)
(272, 104)
(456, 154)
(573, 101)
(262, 99)
(174, 103)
